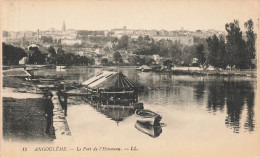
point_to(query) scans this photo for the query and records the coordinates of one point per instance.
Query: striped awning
(110, 80)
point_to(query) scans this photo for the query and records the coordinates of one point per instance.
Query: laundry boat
(148, 117)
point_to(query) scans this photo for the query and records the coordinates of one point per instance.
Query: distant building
(117, 32)
(55, 34)
(185, 40)
(32, 46)
(71, 42)
(157, 59)
(139, 32)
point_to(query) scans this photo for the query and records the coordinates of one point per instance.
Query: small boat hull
(148, 117)
(153, 131)
(61, 68)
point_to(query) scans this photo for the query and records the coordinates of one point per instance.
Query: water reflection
(230, 97)
(216, 96)
(151, 130)
(250, 122)
(239, 94)
(235, 96)
(199, 91)
(115, 114)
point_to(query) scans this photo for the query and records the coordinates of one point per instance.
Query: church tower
(63, 26)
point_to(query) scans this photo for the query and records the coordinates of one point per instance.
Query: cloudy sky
(104, 15)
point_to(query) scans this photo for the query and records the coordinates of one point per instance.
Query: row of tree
(218, 51)
(235, 51)
(12, 55)
(131, 60)
(62, 57)
(147, 46)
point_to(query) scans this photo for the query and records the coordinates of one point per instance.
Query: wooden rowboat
(60, 67)
(148, 117)
(151, 130)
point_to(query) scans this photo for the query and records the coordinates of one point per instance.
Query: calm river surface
(201, 115)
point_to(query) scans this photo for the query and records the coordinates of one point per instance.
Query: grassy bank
(24, 120)
(13, 82)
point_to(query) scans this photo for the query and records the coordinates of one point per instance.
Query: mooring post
(65, 103)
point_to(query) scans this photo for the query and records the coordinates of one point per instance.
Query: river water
(201, 115)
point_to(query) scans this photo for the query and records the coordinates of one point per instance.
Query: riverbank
(178, 71)
(244, 73)
(23, 113)
(24, 120)
(191, 71)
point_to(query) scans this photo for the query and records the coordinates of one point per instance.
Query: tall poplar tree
(251, 39)
(200, 54)
(236, 46)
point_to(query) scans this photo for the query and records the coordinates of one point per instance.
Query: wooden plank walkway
(61, 127)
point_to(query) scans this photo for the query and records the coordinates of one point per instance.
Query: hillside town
(100, 46)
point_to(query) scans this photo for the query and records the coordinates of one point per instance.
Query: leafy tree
(135, 60)
(115, 40)
(163, 47)
(51, 51)
(37, 57)
(11, 54)
(60, 57)
(168, 63)
(106, 49)
(222, 54)
(104, 61)
(148, 60)
(217, 52)
(147, 38)
(117, 57)
(123, 43)
(83, 60)
(213, 44)
(251, 39)
(236, 46)
(51, 59)
(200, 54)
(175, 52)
(70, 59)
(189, 52)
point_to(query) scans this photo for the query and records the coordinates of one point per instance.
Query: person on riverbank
(64, 104)
(48, 109)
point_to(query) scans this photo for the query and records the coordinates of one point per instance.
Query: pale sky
(23, 15)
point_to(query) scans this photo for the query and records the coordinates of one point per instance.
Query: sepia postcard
(130, 78)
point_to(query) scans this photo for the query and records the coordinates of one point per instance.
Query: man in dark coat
(48, 109)
(64, 104)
